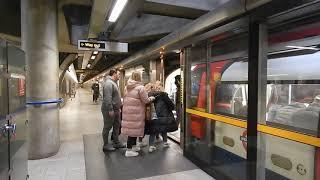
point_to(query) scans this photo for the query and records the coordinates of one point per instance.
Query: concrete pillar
(40, 42)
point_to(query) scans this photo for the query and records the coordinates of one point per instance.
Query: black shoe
(108, 148)
(119, 145)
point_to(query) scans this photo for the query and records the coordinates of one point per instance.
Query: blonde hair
(149, 87)
(136, 76)
(158, 86)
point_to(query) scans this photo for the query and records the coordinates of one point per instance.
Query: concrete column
(40, 42)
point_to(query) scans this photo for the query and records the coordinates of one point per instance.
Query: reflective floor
(81, 119)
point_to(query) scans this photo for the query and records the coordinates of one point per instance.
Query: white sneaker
(142, 144)
(152, 148)
(131, 153)
(136, 148)
(166, 144)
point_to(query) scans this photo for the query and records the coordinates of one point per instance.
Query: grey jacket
(111, 96)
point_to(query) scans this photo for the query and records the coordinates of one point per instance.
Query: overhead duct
(222, 14)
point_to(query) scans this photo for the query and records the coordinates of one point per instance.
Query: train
(292, 96)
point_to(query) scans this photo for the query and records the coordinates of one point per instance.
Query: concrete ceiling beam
(207, 5)
(150, 25)
(172, 10)
(132, 9)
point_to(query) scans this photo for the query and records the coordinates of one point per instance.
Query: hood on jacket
(132, 84)
(157, 93)
(109, 78)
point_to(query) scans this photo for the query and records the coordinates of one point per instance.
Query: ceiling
(141, 23)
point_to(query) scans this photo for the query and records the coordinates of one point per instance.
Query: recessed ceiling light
(95, 52)
(303, 47)
(117, 9)
(93, 57)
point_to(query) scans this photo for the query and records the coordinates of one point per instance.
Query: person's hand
(111, 113)
(152, 98)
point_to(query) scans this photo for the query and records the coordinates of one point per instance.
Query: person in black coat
(164, 120)
(95, 89)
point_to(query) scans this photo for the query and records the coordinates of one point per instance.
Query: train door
(4, 153)
(17, 110)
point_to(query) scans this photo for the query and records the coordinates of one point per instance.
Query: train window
(197, 96)
(293, 91)
(228, 63)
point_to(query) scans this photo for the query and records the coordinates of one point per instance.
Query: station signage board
(88, 71)
(87, 45)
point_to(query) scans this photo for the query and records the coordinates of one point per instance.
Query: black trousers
(131, 142)
(119, 126)
(95, 97)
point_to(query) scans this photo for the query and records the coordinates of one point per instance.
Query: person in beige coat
(133, 114)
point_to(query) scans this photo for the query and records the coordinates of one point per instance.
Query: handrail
(53, 101)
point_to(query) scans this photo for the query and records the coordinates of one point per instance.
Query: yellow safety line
(306, 139)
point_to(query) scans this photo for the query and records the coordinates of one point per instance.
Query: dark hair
(112, 71)
(177, 78)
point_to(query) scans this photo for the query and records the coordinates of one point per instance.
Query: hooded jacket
(133, 112)
(165, 121)
(111, 96)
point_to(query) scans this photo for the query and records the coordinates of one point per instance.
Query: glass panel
(3, 81)
(17, 81)
(229, 76)
(292, 101)
(285, 159)
(4, 166)
(17, 107)
(219, 86)
(293, 92)
(197, 99)
(196, 96)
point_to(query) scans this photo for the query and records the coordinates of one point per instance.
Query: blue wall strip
(53, 101)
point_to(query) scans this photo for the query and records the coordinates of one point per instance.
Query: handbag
(151, 113)
(148, 112)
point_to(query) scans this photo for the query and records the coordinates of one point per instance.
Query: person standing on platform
(110, 109)
(163, 121)
(178, 98)
(95, 89)
(133, 115)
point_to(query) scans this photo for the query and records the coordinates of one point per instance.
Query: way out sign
(86, 45)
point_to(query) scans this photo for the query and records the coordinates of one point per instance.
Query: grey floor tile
(184, 175)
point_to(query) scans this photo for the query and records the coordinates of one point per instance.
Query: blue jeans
(152, 138)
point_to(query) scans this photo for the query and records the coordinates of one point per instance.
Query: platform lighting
(93, 57)
(178, 51)
(95, 52)
(89, 65)
(303, 47)
(117, 9)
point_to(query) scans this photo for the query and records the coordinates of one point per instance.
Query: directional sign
(88, 71)
(86, 45)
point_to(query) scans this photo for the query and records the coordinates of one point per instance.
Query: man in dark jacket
(110, 109)
(95, 89)
(178, 98)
